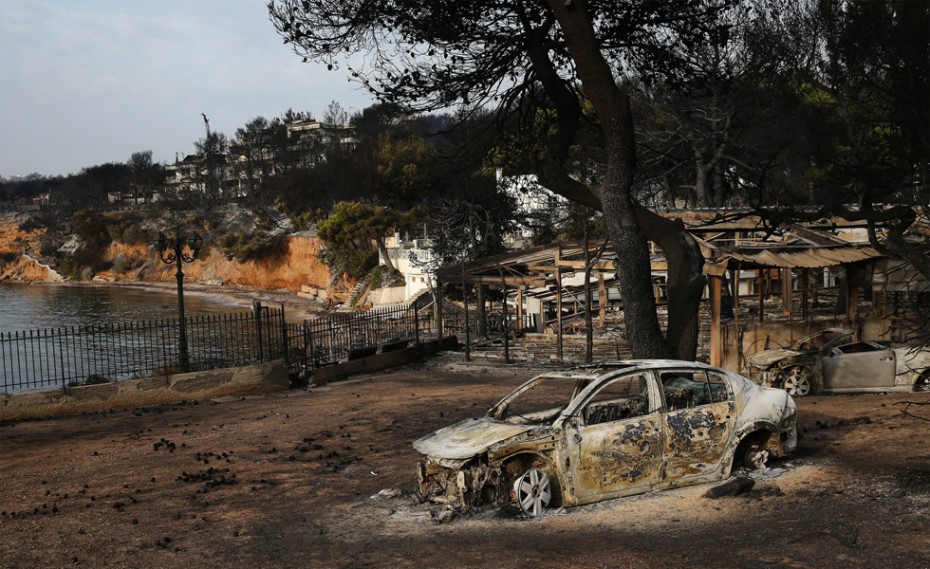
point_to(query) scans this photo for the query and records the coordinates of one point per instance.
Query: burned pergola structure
(536, 275)
(789, 266)
(792, 279)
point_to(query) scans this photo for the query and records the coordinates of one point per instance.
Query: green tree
(212, 150)
(144, 176)
(251, 154)
(351, 229)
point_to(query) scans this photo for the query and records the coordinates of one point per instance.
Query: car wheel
(754, 457)
(533, 492)
(923, 381)
(799, 381)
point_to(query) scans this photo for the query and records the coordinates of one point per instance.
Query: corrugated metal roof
(800, 258)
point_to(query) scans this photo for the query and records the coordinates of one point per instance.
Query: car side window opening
(623, 398)
(541, 402)
(687, 389)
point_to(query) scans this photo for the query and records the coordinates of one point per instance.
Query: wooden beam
(716, 333)
(600, 265)
(515, 280)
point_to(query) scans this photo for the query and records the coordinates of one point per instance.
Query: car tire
(798, 381)
(923, 381)
(754, 457)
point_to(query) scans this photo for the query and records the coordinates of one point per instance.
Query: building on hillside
(411, 257)
(240, 169)
(324, 133)
(536, 204)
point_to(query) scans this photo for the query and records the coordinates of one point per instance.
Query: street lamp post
(179, 249)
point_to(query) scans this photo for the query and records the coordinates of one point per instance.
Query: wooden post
(482, 311)
(601, 300)
(760, 285)
(558, 314)
(506, 325)
(787, 298)
(852, 301)
(805, 293)
(716, 333)
(467, 323)
(519, 308)
(438, 304)
(734, 287)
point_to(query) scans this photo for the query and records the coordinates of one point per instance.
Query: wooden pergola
(796, 248)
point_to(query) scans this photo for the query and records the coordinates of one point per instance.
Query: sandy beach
(297, 309)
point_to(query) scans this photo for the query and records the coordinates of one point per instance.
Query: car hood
(769, 357)
(468, 438)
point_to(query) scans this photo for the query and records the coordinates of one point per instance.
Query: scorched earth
(326, 478)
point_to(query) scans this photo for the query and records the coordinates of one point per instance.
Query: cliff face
(297, 265)
(17, 247)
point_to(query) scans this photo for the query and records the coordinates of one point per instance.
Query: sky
(87, 82)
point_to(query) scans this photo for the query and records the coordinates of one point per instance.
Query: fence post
(308, 343)
(257, 310)
(286, 347)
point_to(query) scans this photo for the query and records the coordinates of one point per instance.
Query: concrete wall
(382, 361)
(743, 339)
(260, 378)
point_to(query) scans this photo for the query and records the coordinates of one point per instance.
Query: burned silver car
(604, 431)
(830, 362)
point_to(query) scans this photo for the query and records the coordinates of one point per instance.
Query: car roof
(595, 371)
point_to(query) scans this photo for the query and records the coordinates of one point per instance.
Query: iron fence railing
(455, 323)
(342, 337)
(78, 355)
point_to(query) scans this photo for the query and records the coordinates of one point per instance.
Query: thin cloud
(84, 83)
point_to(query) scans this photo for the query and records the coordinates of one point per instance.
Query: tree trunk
(700, 181)
(685, 284)
(612, 107)
(382, 248)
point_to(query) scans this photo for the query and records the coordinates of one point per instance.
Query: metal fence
(454, 324)
(341, 337)
(79, 355)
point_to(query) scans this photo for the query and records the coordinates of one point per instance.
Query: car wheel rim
(533, 492)
(797, 382)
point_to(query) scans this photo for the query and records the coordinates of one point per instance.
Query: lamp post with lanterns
(179, 249)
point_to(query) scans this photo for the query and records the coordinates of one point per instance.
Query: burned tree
(561, 60)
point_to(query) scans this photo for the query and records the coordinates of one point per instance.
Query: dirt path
(290, 481)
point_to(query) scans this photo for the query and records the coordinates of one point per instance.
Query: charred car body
(829, 362)
(604, 431)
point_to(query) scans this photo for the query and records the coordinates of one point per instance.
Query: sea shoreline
(297, 309)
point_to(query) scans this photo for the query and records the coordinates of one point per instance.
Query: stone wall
(260, 378)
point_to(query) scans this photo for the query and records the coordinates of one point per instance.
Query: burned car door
(698, 422)
(615, 439)
(858, 365)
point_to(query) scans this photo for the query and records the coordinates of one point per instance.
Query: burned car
(604, 431)
(830, 362)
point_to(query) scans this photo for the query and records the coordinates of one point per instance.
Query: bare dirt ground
(291, 480)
